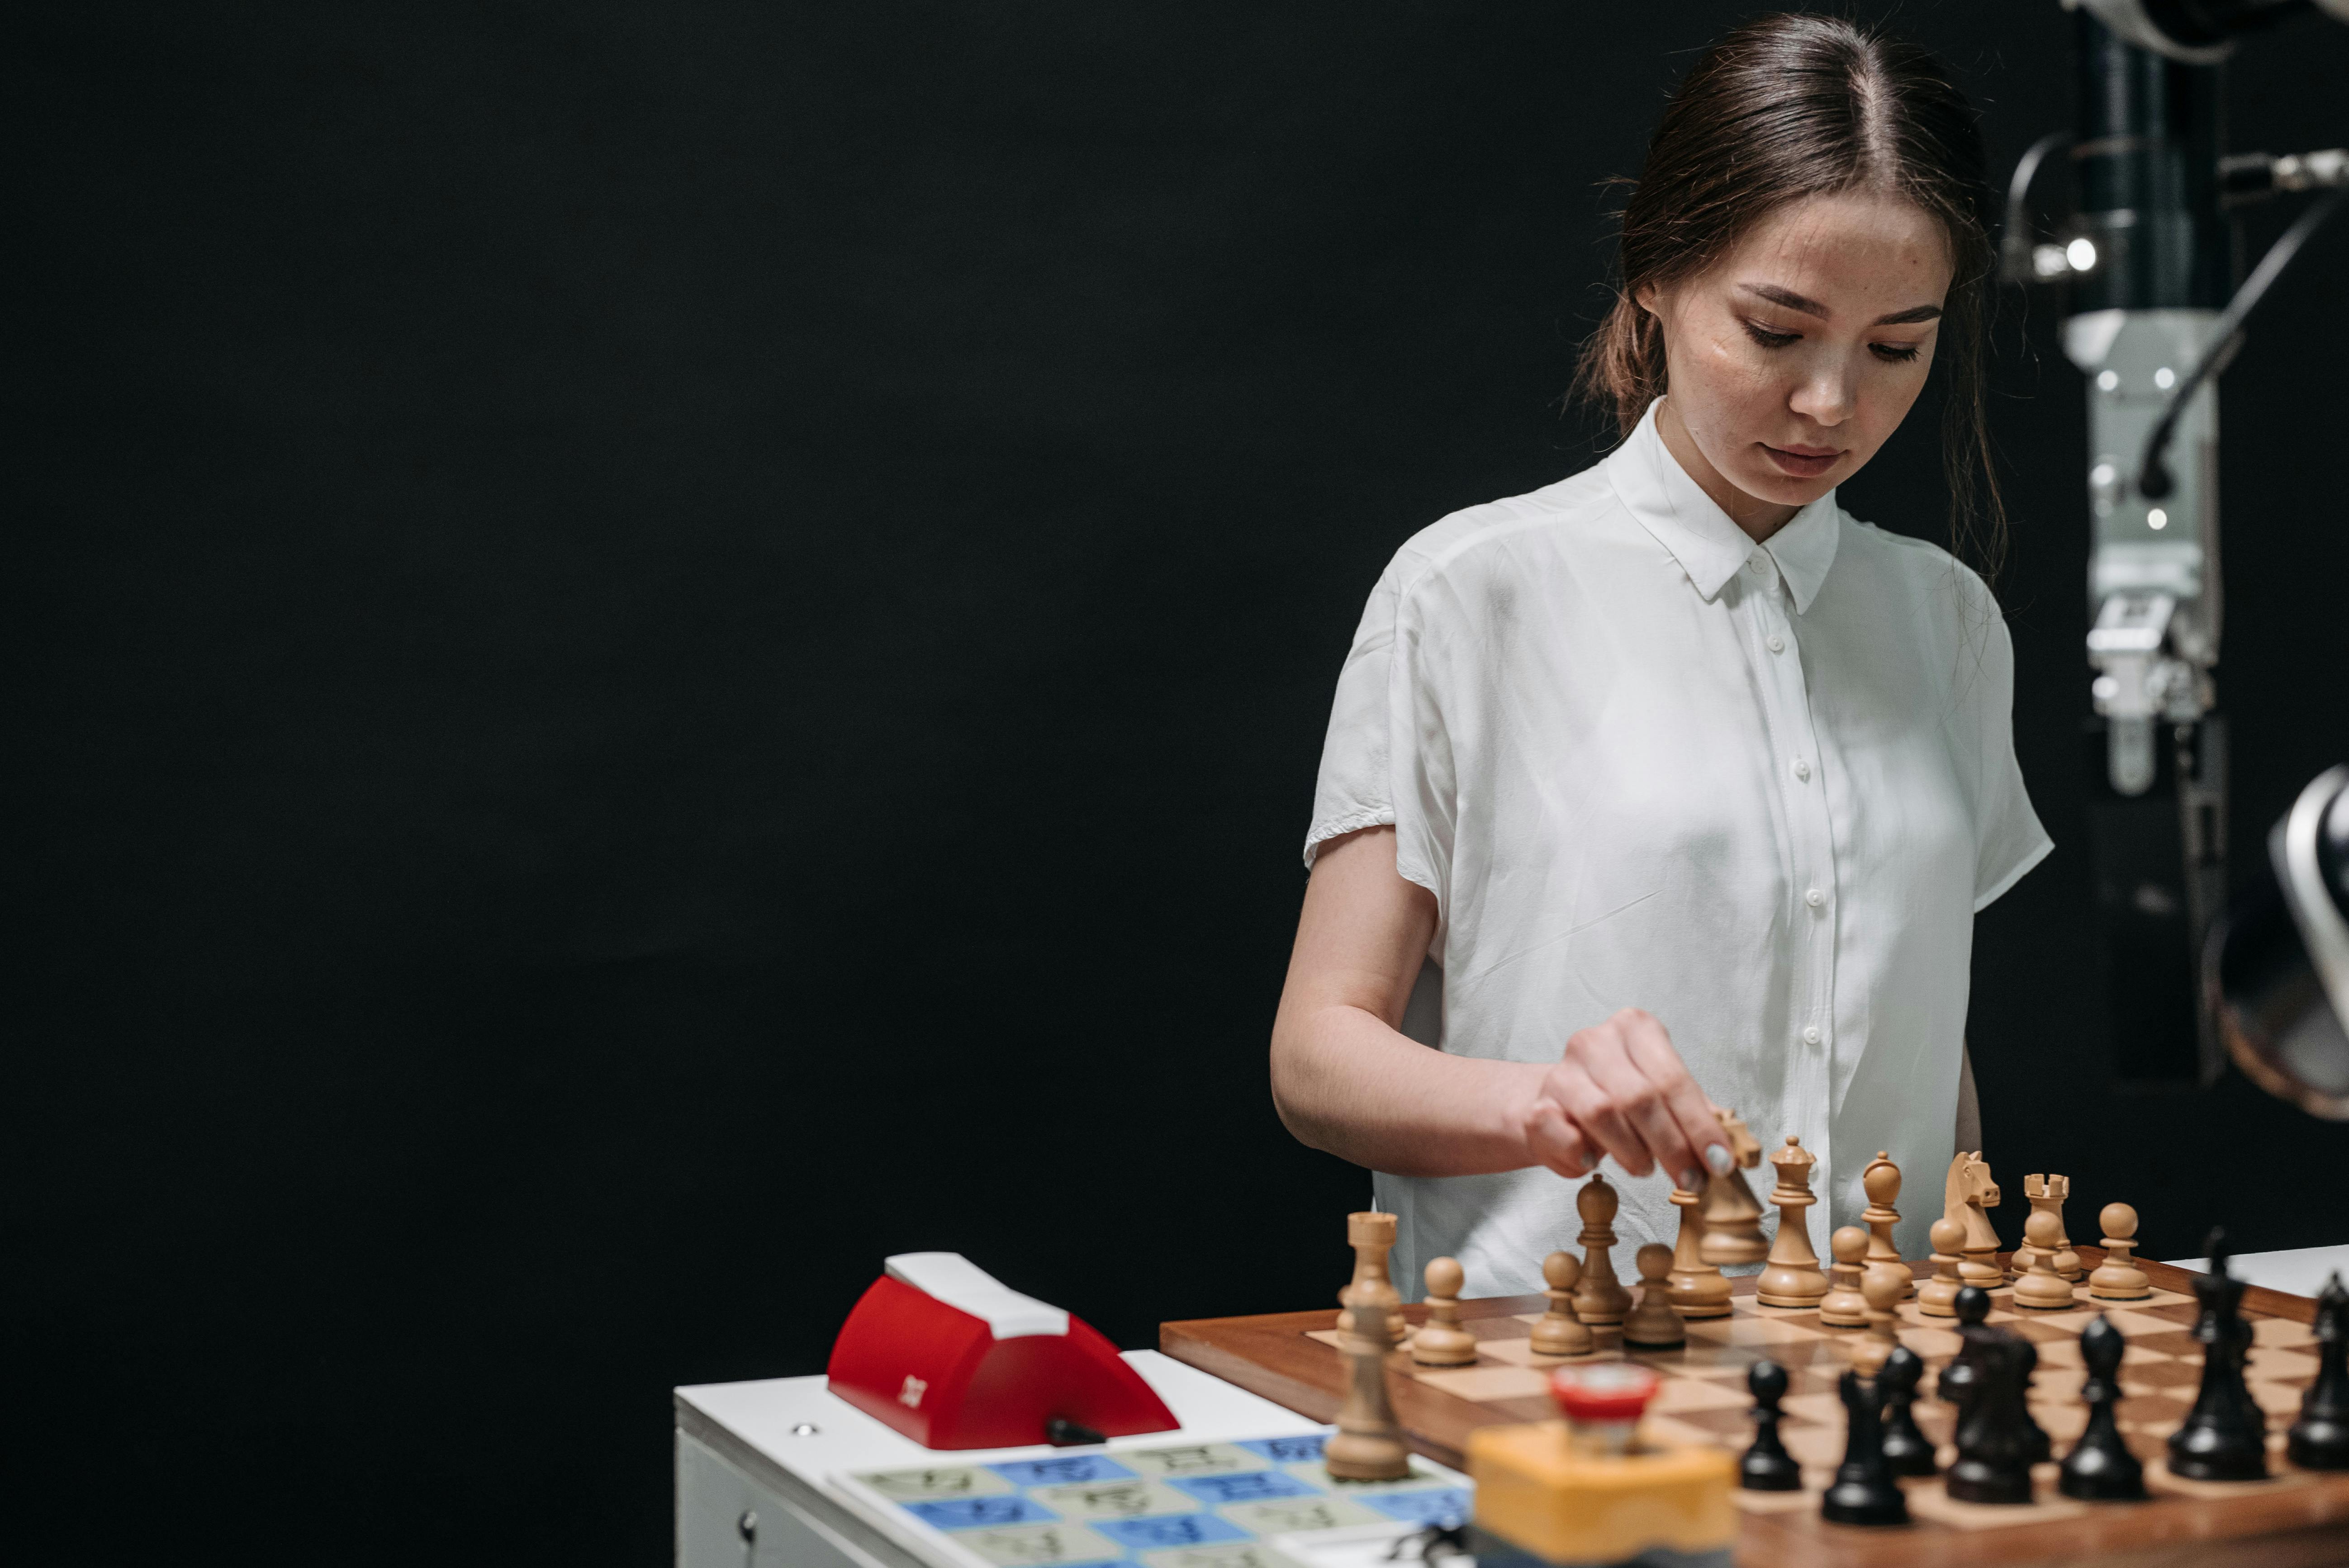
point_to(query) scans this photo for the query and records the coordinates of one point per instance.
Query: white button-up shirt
(1759, 790)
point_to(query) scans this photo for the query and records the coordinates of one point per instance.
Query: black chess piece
(1863, 1491)
(1988, 1382)
(1906, 1449)
(2100, 1468)
(1972, 1304)
(1767, 1466)
(2225, 1435)
(2319, 1439)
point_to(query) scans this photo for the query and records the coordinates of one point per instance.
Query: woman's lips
(1801, 465)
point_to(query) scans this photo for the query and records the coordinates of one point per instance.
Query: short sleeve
(2008, 838)
(1386, 759)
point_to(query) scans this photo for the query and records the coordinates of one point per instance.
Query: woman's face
(1794, 358)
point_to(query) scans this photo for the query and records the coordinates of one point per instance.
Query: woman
(1672, 785)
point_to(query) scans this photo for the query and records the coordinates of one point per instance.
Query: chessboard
(2296, 1518)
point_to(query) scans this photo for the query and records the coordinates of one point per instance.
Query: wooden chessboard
(2297, 1517)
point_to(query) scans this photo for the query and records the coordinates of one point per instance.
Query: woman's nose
(1825, 397)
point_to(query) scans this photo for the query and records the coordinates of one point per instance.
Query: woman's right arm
(1346, 1080)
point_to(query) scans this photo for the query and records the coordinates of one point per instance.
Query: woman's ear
(1647, 298)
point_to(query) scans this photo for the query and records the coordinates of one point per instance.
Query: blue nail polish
(1716, 1157)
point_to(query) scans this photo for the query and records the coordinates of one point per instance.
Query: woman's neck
(1759, 519)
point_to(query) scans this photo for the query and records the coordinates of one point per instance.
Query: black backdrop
(666, 648)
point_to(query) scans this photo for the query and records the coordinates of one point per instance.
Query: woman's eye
(1768, 338)
(1895, 353)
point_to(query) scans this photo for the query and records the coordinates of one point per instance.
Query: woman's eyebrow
(1794, 301)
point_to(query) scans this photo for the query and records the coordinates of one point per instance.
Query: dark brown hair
(1790, 107)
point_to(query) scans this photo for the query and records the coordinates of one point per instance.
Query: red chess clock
(940, 1351)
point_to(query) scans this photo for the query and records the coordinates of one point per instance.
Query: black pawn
(1863, 1491)
(1963, 1372)
(2100, 1468)
(2319, 1439)
(2225, 1435)
(1906, 1448)
(1767, 1466)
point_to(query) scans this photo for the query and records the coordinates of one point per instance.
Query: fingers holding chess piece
(1600, 1299)
(1560, 1332)
(1937, 1297)
(1733, 1216)
(2118, 1278)
(1845, 1306)
(2041, 1287)
(1699, 1289)
(1441, 1341)
(1653, 1322)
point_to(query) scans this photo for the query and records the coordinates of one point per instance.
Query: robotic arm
(2148, 257)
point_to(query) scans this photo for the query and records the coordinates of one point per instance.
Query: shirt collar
(1699, 536)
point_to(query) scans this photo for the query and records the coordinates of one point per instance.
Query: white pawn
(1560, 1332)
(1600, 1299)
(1441, 1341)
(1654, 1321)
(2041, 1286)
(2118, 1278)
(1937, 1297)
(1881, 1286)
(1845, 1306)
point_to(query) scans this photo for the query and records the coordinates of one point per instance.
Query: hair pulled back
(1789, 107)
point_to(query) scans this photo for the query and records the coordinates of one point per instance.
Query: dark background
(668, 647)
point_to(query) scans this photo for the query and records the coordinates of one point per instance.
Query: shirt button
(1801, 770)
(1814, 897)
(1757, 564)
(1811, 1036)
(1777, 645)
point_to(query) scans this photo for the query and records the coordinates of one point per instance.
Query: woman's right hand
(1621, 1089)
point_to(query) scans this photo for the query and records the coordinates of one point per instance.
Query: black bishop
(2225, 1435)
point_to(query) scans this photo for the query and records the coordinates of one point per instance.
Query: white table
(2301, 1270)
(754, 1462)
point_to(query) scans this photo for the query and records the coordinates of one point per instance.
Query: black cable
(2154, 480)
(2015, 244)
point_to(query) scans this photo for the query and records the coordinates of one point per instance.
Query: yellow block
(1535, 1489)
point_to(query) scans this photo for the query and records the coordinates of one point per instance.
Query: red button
(1609, 1391)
